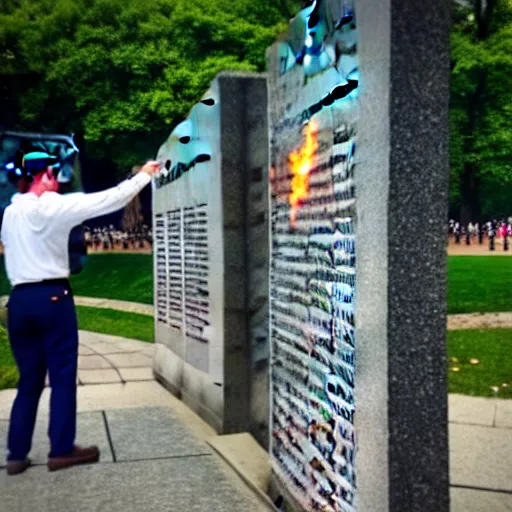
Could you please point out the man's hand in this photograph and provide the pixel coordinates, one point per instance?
(151, 167)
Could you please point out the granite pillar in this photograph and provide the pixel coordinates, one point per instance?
(402, 191)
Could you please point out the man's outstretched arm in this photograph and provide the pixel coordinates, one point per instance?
(77, 208)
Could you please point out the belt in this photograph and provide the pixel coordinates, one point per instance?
(63, 281)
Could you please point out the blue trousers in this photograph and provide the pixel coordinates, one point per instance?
(43, 333)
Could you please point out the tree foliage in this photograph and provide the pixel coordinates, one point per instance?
(481, 109)
(123, 72)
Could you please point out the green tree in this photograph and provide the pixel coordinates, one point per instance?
(124, 72)
(481, 108)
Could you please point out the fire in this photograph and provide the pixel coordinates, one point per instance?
(300, 163)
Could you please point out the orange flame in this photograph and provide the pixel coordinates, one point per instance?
(300, 163)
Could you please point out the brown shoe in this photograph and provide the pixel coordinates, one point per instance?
(78, 456)
(15, 467)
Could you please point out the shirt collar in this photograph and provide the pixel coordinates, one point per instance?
(20, 197)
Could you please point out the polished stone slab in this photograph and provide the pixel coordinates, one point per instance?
(151, 433)
(180, 484)
(101, 376)
(481, 457)
(473, 410)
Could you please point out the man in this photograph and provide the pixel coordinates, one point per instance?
(42, 321)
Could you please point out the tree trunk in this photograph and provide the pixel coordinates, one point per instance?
(469, 198)
(470, 208)
(469, 194)
(132, 218)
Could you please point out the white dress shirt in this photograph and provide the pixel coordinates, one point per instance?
(35, 230)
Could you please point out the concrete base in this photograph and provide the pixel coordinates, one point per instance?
(250, 461)
(188, 384)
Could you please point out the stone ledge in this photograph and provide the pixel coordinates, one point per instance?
(248, 459)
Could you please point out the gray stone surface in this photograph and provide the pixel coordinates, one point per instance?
(401, 187)
(179, 484)
(215, 378)
(90, 431)
(418, 197)
(134, 360)
(151, 433)
(472, 410)
(105, 348)
(197, 354)
(257, 258)
(471, 500)
(84, 350)
(503, 414)
(235, 173)
(481, 457)
(103, 376)
(136, 374)
(93, 362)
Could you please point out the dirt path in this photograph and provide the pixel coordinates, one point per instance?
(480, 321)
(475, 249)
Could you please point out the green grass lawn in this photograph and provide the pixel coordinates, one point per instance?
(476, 284)
(8, 371)
(491, 350)
(108, 276)
(106, 321)
(479, 284)
(117, 323)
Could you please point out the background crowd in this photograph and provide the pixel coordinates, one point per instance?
(491, 231)
(109, 238)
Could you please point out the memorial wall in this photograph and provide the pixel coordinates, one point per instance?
(211, 257)
(268, 191)
(313, 122)
(188, 261)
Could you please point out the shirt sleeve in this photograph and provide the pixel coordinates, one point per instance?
(78, 207)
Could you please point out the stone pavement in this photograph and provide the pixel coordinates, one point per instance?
(480, 436)
(155, 451)
(105, 359)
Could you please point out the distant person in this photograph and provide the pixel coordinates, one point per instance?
(456, 232)
(480, 233)
(42, 322)
(492, 234)
(468, 233)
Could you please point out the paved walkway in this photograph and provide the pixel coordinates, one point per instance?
(155, 451)
(480, 321)
(107, 359)
(120, 305)
(480, 436)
